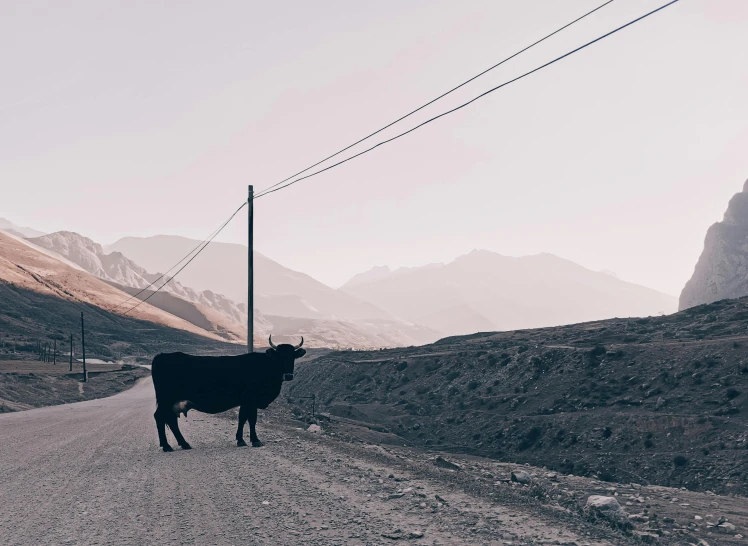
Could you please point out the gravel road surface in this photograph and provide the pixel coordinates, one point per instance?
(92, 473)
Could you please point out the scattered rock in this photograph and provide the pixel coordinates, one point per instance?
(520, 476)
(315, 429)
(395, 496)
(726, 527)
(398, 534)
(441, 462)
(608, 508)
(647, 538)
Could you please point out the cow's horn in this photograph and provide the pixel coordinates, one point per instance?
(300, 344)
(270, 339)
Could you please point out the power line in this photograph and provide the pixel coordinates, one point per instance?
(278, 186)
(206, 243)
(179, 262)
(268, 191)
(261, 192)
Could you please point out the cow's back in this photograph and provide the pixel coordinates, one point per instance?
(179, 376)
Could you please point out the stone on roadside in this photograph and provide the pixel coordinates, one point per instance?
(726, 527)
(520, 476)
(441, 462)
(608, 508)
(315, 429)
(399, 534)
(646, 538)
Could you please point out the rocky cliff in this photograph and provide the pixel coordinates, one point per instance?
(722, 269)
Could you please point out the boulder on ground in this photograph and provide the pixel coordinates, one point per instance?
(444, 463)
(726, 527)
(314, 428)
(520, 476)
(608, 508)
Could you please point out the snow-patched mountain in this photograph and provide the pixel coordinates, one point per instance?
(117, 268)
(483, 291)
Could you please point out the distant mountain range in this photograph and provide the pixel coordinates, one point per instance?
(279, 292)
(480, 291)
(484, 291)
(10, 227)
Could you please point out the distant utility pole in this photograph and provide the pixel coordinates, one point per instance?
(54, 355)
(83, 349)
(250, 274)
(71, 352)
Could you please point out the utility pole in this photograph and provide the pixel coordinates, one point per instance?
(250, 273)
(54, 355)
(83, 348)
(71, 352)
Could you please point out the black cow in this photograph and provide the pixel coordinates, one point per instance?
(215, 384)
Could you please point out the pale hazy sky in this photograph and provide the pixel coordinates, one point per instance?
(139, 118)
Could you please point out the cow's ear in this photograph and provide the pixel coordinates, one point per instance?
(298, 353)
(270, 352)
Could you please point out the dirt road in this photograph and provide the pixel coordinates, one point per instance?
(92, 473)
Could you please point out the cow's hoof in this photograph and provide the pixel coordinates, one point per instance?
(241, 443)
(257, 443)
(186, 446)
(167, 448)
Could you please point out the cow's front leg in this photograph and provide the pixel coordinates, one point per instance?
(252, 416)
(240, 431)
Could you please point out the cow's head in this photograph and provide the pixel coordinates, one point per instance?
(285, 354)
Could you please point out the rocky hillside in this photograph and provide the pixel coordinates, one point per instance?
(660, 400)
(117, 268)
(483, 291)
(722, 269)
(41, 299)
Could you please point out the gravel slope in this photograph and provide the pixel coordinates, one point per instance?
(92, 473)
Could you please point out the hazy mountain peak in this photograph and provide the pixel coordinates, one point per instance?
(487, 290)
(20, 231)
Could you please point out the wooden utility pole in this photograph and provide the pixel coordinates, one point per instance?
(54, 355)
(71, 352)
(83, 349)
(250, 274)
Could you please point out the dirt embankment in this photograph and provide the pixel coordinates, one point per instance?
(653, 401)
(22, 390)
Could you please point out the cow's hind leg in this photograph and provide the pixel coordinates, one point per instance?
(252, 416)
(240, 430)
(161, 427)
(174, 426)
